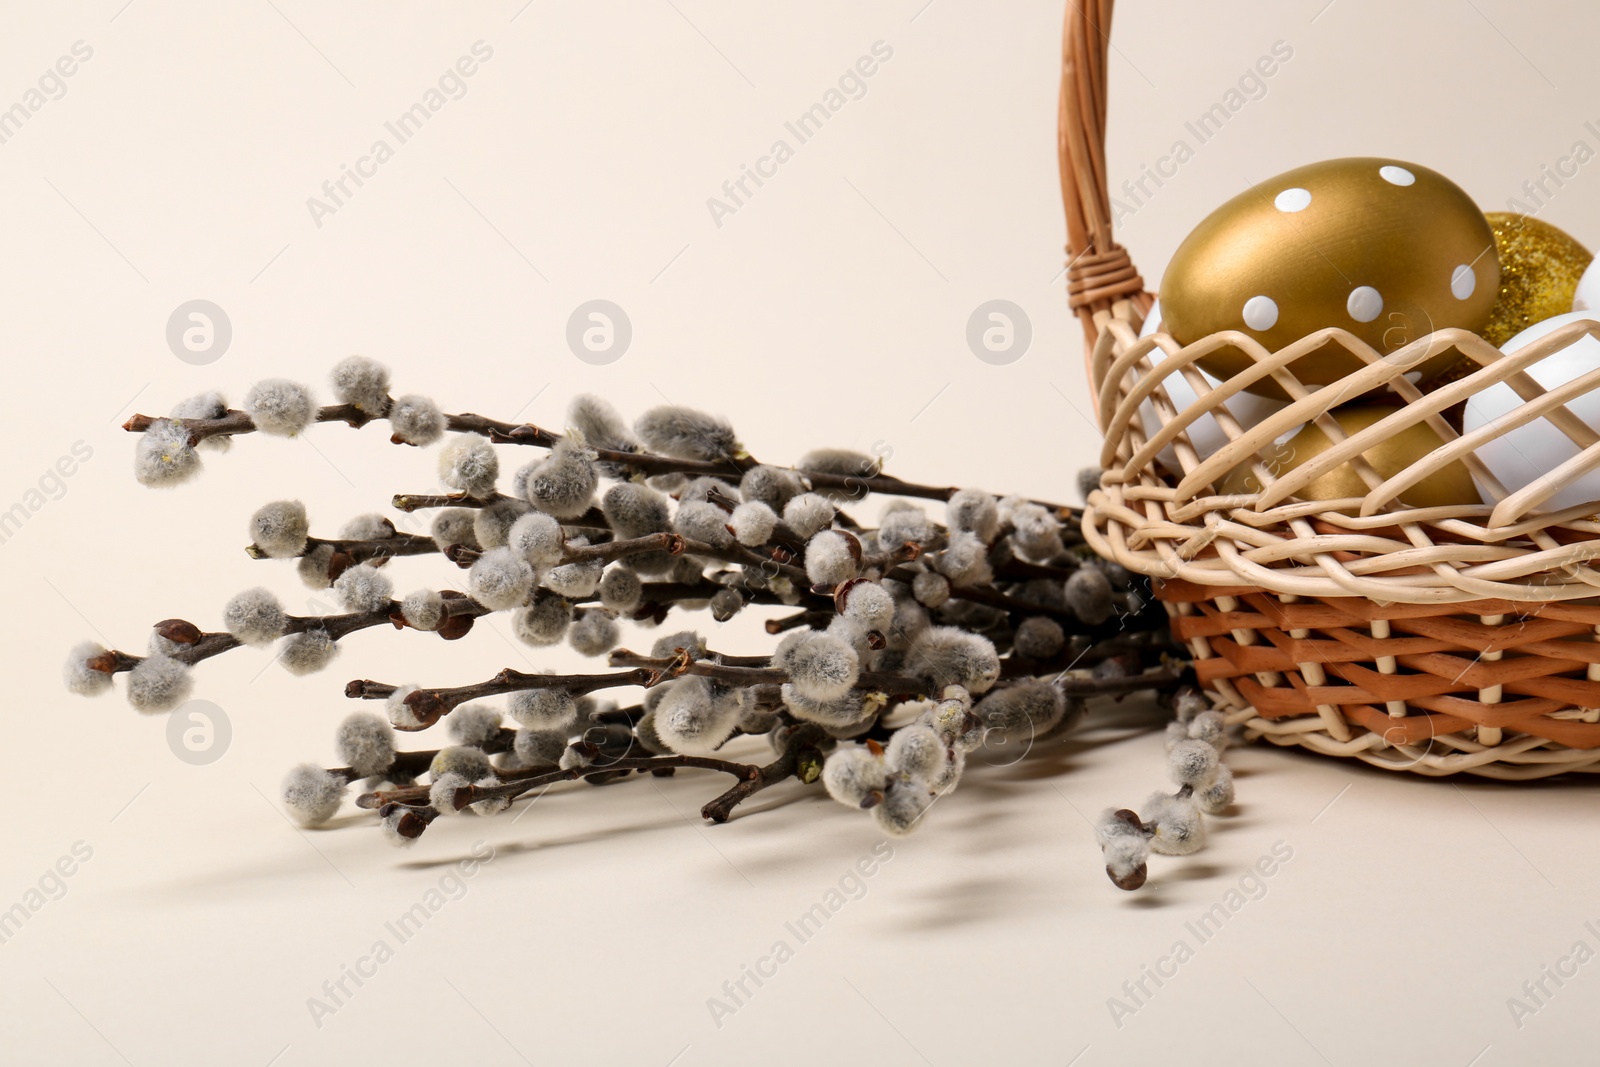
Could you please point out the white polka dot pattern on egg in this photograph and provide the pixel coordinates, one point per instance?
(1292, 200)
(1260, 313)
(1397, 175)
(1364, 304)
(1463, 282)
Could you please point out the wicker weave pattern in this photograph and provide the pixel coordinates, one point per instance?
(1435, 640)
(1311, 548)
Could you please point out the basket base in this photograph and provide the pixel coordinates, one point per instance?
(1448, 699)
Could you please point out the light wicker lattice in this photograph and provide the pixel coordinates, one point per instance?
(1433, 640)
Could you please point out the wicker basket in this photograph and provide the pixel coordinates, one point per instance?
(1439, 641)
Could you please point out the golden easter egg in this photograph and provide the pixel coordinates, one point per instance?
(1389, 251)
(1540, 266)
(1452, 485)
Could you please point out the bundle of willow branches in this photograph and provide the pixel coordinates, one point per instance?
(901, 647)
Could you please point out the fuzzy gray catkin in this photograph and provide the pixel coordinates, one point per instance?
(454, 526)
(255, 617)
(416, 420)
(307, 652)
(594, 633)
(280, 529)
(564, 484)
(600, 425)
(500, 579)
(279, 406)
(364, 589)
(474, 724)
(543, 622)
(365, 742)
(362, 383)
(312, 795)
(423, 609)
(684, 433)
(164, 457)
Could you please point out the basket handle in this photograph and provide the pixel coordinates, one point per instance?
(1099, 271)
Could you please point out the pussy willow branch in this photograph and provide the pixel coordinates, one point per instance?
(234, 423)
(623, 657)
(733, 553)
(592, 519)
(431, 705)
(816, 619)
(751, 779)
(365, 550)
(605, 552)
(197, 646)
(994, 598)
(517, 783)
(409, 502)
(674, 544)
(803, 744)
(660, 594)
(754, 670)
(750, 672)
(783, 535)
(748, 557)
(417, 761)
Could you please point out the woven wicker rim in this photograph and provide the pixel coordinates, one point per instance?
(1434, 640)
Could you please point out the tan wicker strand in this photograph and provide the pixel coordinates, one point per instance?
(1439, 641)
(1099, 271)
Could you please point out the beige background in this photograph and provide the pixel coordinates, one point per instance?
(830, 309)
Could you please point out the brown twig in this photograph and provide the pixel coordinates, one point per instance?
(364, 550)
(853, 486)
(751, 779)
(753, 670)
(428, 706)
(207, 645)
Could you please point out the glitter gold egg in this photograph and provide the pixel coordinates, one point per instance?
(1540, 266)
(1389, 251)
(1452, 485)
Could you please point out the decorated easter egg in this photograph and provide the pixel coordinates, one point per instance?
(1540, 266)
(1205, 433)
(1522, 456)
(1451, 486)
(1389, 251)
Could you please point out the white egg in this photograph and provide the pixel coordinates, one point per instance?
(1204, 433)
(1524, 455)
(1587, 298)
